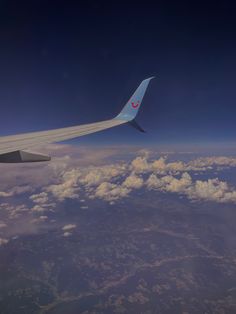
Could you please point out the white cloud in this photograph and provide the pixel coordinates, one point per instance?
(84, 207)
(140, 164)
(5, 194)
(67, 234)
(68, 187)
(3, 225)
(110, 191)
(16, 210)
(133, 182)
(73, 177)
(39, 219)
(40, 198)
(159, 164)
(38, 208)
(211, 189)
(179, 185)
(208, 162)
(16, 190)
(69, 227)
(162, 166)
(153, 182)
(97, 175)
(3, 241)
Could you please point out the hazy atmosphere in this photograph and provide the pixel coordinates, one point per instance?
(120, 221)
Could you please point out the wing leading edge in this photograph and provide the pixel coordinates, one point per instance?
(12, 147)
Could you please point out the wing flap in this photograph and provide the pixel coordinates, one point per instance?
(20, 156)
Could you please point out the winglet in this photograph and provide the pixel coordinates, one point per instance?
(130, 110)
(134, 124)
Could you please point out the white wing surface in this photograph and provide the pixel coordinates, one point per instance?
(12, 147)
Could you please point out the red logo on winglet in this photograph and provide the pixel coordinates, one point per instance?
(135, 106)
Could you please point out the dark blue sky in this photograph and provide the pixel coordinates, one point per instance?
(64, 63)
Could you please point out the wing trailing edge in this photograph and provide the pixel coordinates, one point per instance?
(21, 156)
(14, 148)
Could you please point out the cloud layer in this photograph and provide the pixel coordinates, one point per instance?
(77, 177)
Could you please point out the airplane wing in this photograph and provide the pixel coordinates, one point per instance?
(14, 148)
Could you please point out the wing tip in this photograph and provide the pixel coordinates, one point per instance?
(149, 78)
(130, 110)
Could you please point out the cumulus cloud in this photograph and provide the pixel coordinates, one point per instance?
(159, 164)
(162, 166)
(110, 191)
(211, 189)
(169, 183)
(133, 182)
(208, 162)
(68, 186)
(153, 182)
(95, 175)
(140, 164)
(178, 185)
(64, 190)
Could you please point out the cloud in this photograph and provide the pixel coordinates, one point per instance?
(40, 198)
(32, 190)
(3, 241)
(67, 234)
(64, 190)
(69, 227)
(43, 217)
(162, 166)
(159, 165)
(133, 182)
(169, 183)
(16, 211)
(208, 162)
(210, 190)
(179, 185)
(16, 190)
(140, 164)
(153, 182)
(5, 194)
(39, 219)
(97, 175)
(42, 203)
(3, 225)
(110, 191)
(38, 208)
